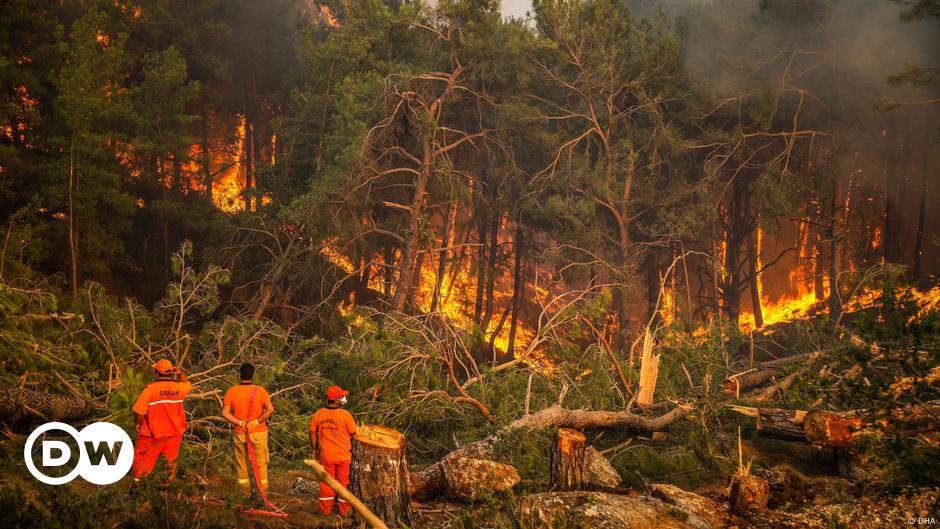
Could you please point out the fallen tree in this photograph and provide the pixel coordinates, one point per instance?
(838, 429)
(739, 382)
(28, 405)
(462, 478)
(775, 422)
(559, 417)
(766, 371)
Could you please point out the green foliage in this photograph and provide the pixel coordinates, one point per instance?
(528, 452)
(57, 507)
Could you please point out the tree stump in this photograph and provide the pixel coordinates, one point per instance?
(379, 473)
(749, 494)
(567, 461)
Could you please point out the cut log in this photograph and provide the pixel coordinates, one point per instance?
(28, 405)
(559, 417)
(598, 510)
(829, 429)
(379, 473)
(749, 494)
(462, 478)
(776, 423)
(567, 460)
(838, 429)
(736, 384)
(772, 390)
(702, 512)
(598, 472)
(468, 479)
(428, 484)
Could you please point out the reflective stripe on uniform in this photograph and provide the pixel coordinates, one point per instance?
(327, 498)
(341, 500)
(166, 402)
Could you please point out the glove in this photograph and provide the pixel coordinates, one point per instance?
(251, 424)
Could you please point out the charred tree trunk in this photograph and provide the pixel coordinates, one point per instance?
(388, 270)
(652, 286)
(893, 179)
(365, 276)
(206, 158)
(481, 272)
(921, 217)
(257, 159)
(835, 298)
(419, 265)
(248, 160)
(379, 473)
(754, 284)
(491, 272)
(518, 288)
(567, 461)
(442, 258)
(731, 288)
(409, 250)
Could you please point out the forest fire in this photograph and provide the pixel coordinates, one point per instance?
(579, 257)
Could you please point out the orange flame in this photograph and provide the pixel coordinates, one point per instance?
(327, 14)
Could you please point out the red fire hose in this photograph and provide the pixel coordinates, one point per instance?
(254, 468)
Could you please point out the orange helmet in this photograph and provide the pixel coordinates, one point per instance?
(335, 392)
(164, 367)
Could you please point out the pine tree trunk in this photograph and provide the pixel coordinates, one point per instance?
(921, 217)
(835, 299)
(409, 252)
(567, 460)
(481, 273)
(893, 187)
(518, 288)
(206, 159)
(257, 159)
(442, 258)
(389, 277)
(755, 282)
(379, 473)
(73, 228)
(248, 164)
(652, 286)
(491, 272)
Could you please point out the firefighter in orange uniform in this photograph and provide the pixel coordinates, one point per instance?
(248, 407)
(161, 419)
(331, 431)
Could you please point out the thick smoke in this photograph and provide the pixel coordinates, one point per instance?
(844, 51)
